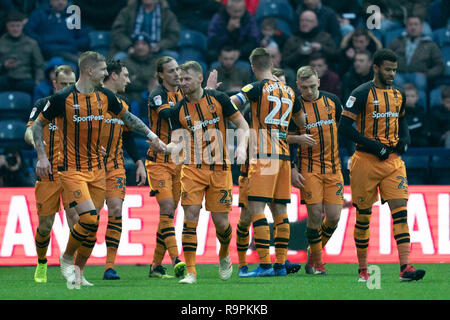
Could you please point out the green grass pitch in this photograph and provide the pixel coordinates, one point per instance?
(341, 283)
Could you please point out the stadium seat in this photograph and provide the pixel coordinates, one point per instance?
(278, 9)
(15, 105)
(417, 167)
(12, 132)
(440, 166)
(445, 51)
(441, 37)
(192, 39)
(100, 41)
(435, 97)
(393, 34)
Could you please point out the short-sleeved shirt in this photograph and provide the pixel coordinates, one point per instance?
(160, 99)
(205, 121)
(112, 139)
(376, 112)
(80, 122)
(321, 117)
(51, 137)
(272, 104)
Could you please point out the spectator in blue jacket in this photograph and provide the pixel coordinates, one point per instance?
(49, 27)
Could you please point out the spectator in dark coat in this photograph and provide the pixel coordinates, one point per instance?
(90, 12)
(21, 62)
(233, 25)
(307, 40)
(326, 16)
(418, 123)
(202, 10)
(329, 81)
(359, 73)
(50, 28)
(153, 17)
(440, 120)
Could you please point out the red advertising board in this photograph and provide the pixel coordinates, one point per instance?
(428, 218)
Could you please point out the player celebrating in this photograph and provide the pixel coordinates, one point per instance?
(203, 115)
(319, 165)
(245, 219)
(272, 104)
(381, 135)
(48, 189)
(163, 173)
(114, 135)
(82, 108)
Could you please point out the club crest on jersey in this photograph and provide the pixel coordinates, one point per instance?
(46, 106)
(157, 100)
(351, 100)
(212, 107)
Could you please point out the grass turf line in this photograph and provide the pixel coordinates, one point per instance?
(340, 283)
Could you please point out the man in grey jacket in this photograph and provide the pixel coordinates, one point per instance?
(21, 62)
(419, 58)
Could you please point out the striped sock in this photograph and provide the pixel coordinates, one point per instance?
(242, 242)
(85, 250)
(281, 237)
(42, 242)
(189, 240)
(315, 244)
(160, 247)
(401, 234)
(112, 239)
(224, 239)
(361, 235)
(87, 224)
(261, 233)
(167, 232)
(327, 232)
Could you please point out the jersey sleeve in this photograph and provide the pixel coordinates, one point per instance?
(228, 108)
(174, 120)
(296, 106)
(403, 106)
(115, 105)
(250, 92)
(54, 107)
(337, 105)
(36, 110)
(356, 102)
(158, 100)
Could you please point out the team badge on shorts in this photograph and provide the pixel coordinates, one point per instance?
(161, 183)
(184, 195)
(77, 193)
(360, 199)
(308, 195)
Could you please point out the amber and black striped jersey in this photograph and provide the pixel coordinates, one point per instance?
(112, 140)
(321, 117)
(376, 112)
(272, 104)
(51, 137)
(80, 119)
(160, 99)
(206, 122)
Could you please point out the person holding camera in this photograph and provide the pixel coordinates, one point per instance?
(11, 169)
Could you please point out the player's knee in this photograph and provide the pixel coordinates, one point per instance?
(167, 208)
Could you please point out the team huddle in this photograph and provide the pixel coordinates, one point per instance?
(283, 140)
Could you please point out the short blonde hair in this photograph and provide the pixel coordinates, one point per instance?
(305, 72)
(89, 58)
(192, 65)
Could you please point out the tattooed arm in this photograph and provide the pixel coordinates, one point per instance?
(43, 167)
(136, 124)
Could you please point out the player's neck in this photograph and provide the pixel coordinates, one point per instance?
(110, 86)
(84, 86)
(195, 96)
(380, 85)
(265, 75)
(169, 87)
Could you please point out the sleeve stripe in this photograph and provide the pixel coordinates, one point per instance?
(349, 114)
(241, 97)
